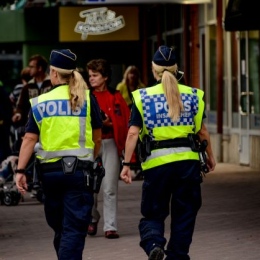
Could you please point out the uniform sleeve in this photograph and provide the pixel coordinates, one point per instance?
(135, 118)
(96, 120)
(31, 126)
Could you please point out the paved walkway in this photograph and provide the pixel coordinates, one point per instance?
(228, 224)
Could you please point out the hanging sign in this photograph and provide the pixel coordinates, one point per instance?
(98, 21)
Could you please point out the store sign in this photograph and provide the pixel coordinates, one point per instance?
(98, 21)
(105, 24)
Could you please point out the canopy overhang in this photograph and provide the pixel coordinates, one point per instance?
(104, 2)
(242, 15)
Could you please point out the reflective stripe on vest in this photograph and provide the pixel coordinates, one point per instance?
(55, 119)
(166, 155)
(152, 105)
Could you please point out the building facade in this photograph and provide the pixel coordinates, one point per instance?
(217, 53)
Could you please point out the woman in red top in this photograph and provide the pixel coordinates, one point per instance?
(115, 113)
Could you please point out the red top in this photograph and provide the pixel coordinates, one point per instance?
(114, 105)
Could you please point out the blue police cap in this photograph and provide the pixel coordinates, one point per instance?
(63, 59)
(164, 56)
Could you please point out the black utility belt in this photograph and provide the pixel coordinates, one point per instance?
(93, 171)
(59, 166)
(171, 143)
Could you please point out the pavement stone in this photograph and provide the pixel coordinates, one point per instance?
(227, 228)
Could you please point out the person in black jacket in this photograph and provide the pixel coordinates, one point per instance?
(39, 84)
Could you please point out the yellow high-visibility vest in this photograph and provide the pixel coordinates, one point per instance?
(63, 132)
(152, 105)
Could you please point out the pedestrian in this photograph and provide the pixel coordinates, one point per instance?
(67, 123)
(130, 82)
(115, 125)
(17, 128)
(25, 77)
(165, 115)
(39, 84)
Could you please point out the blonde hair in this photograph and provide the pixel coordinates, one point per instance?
(77, 86)
(134, 70)
(170, 88)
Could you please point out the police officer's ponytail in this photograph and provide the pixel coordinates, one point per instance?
(170, 88)
(164, 65)
(77, 87)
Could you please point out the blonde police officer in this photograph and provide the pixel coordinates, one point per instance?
(168, 112)
(67, 123)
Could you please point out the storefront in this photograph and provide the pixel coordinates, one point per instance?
(242, 21)
(220, 58)
(39, 26)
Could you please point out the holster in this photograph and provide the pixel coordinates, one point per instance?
(194, 142)
(93, 175)
(144, 148)
(99, 173)
(200, 147)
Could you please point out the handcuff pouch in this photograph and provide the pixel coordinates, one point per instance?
(69, 164)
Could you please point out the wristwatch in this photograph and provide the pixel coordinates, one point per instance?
(22, 171)
(126, 163)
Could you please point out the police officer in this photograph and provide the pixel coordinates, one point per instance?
(167, 113)
(67, 123)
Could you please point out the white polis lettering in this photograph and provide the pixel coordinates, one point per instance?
(161, 109)
(98, 21)
(187, 105)
(159, 106)
(57, 108)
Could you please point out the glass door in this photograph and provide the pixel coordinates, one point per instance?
(244, 99)
(248, 52)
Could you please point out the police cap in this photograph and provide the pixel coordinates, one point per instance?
(164, 56)
(63, 59)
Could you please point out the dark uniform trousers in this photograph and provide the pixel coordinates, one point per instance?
(67, 205)
(171, 188)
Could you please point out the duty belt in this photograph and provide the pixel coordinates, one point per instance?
(177, 142)
(57, 166)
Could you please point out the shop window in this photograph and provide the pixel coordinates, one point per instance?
(254, 70)
(163, 17)
(234, 81)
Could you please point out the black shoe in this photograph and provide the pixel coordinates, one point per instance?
(92, 228)
(156, 254)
